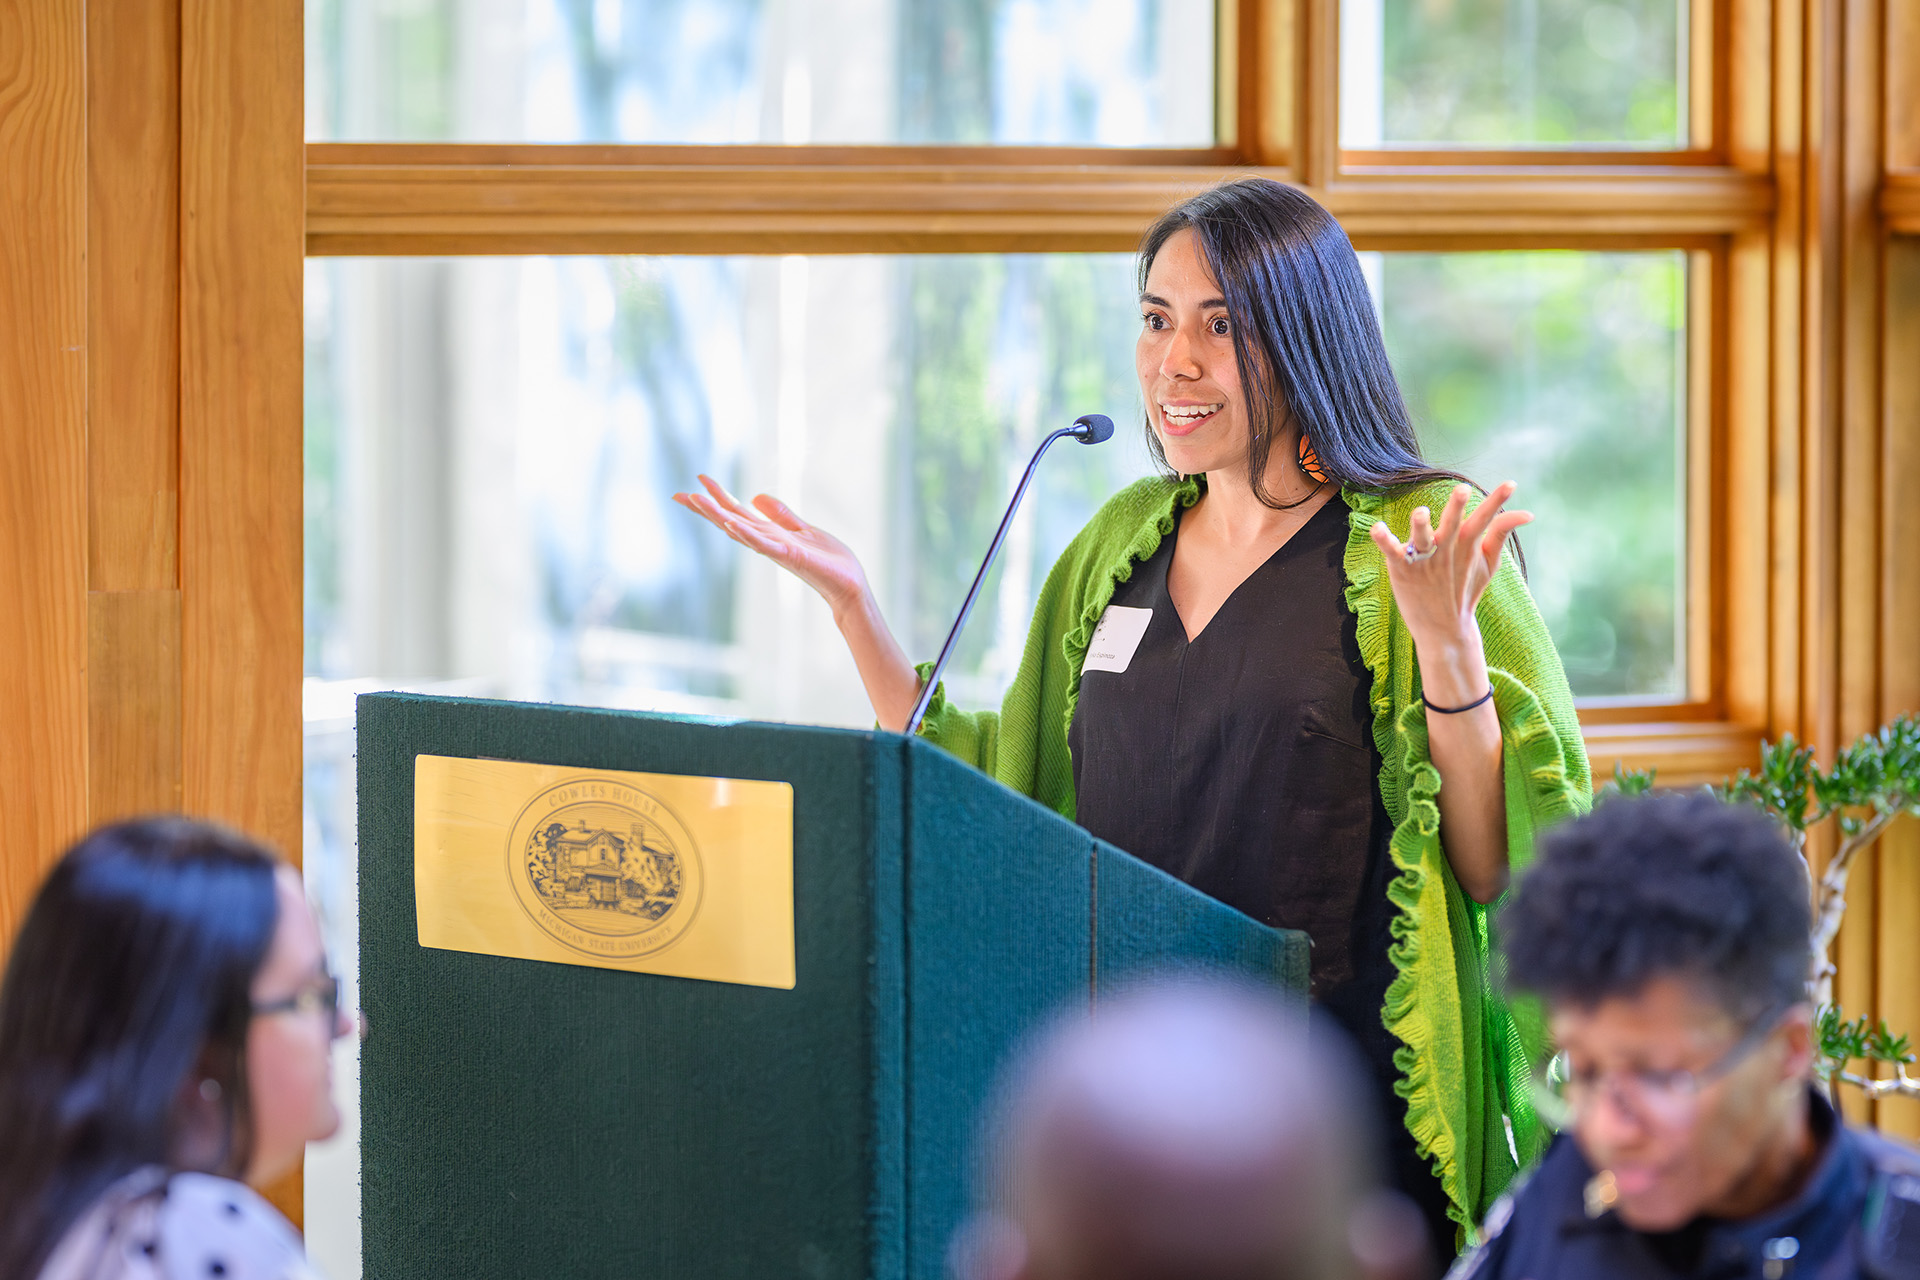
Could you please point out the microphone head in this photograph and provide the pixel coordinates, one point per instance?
(1093, 428)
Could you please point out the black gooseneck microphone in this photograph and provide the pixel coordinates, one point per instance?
(1089, 428)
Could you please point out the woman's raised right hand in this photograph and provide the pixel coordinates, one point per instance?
(771, 528)
(824, 563)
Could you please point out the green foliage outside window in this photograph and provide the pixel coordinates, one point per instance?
(1563, 371)
(1533, 72)
(997, 351)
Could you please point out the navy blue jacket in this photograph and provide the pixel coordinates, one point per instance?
(1858, 1215)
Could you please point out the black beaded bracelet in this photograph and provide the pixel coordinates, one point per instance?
(1454, 711)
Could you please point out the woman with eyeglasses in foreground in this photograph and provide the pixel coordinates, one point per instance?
(165, 1022)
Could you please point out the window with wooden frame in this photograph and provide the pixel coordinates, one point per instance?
(1704, 212)
(875, 314)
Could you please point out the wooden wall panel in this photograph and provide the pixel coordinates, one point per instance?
(1857, 363)
(133, 703)
(133, 420)
(1817, 415)
(242, 210)
(1896, 954)
(1704, 425)
(1747, 468)
(133, 225)
(43, 460)
(1751, 86)
(1849, 149)
(242, 193)
(1898, 950)
(1787, 304)
(1903, 84)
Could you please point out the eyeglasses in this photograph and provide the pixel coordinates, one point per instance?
(321, 996)
(1561, 1096)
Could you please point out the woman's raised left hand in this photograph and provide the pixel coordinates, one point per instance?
(1440, 583)
(1436, 589)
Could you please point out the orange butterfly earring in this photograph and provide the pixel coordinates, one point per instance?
(1310, 461)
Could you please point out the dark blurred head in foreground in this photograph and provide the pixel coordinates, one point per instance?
(1186, 1130)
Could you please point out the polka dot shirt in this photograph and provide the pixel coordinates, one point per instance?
(187, 1226)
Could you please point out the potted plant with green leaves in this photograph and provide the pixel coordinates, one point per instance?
(1871, 782)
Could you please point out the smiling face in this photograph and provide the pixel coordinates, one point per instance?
(1715, 1153)
(1189, 378)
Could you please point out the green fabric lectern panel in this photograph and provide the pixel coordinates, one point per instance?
(1146, 918)
(525, 1119)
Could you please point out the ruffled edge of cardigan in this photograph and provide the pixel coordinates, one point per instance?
(1527, 729)
(1418, 821)
(1145, 541)
(1415, 843)
(1401, 1011)
(1552, 797)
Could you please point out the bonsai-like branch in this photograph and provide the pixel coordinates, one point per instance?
(1872, 782)
(1900, 1085)
(1830, 902)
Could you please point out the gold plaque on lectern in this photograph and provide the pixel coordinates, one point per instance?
(650, 872)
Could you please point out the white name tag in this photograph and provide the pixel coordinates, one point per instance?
(1116, 637)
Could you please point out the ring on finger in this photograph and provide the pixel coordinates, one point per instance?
(1416, 554)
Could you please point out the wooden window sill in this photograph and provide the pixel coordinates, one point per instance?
(1683, 753)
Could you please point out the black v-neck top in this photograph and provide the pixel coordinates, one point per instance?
(1243, 761)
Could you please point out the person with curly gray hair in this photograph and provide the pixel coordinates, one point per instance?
(1668, 937)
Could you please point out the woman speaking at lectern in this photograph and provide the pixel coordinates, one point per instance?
(1258, 670)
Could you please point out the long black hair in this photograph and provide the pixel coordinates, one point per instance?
(128, 987)
(1305, 336)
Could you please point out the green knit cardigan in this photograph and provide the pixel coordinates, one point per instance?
(1466, 1055)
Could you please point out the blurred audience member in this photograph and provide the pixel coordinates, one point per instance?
(1186, 1131)
(165, 1022)
(1669, 936)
